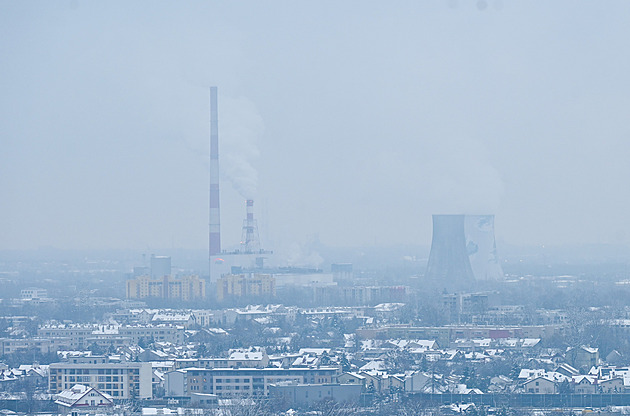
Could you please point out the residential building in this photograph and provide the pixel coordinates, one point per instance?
(33, 293)
(123, 380)
(166, 287)
(246, 285)
(541, 385)
(83, 399)
(43, 345)
(82, 336)
(226, 382)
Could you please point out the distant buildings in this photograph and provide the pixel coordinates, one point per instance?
(166, 287)
(81, 336)
(160, 266)
(246, 285)
(33, 293)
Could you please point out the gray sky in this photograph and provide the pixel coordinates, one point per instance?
(353, 121)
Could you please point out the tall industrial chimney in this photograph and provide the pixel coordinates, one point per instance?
(215, 218)
(482, 248)
(250, 241)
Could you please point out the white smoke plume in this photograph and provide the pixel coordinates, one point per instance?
(300, 255)
(240, 129)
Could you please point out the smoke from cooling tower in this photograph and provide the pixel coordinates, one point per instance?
(461, 178)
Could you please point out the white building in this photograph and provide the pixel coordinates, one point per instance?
(84, 399)
(124, 380)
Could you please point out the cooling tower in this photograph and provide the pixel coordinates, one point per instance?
(481, 247)
(463, 250)
(448, 261)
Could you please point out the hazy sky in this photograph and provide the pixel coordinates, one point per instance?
(354, 121)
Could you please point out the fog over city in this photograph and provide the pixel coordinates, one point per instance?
(351, 123)
(319, 208)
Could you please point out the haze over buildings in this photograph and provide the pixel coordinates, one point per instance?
(352, 123)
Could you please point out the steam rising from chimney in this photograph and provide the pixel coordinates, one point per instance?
(242, 128)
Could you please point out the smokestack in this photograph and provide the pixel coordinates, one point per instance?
(215, 218)
(250, 241)
(482, 247)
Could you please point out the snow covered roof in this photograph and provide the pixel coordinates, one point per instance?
(69, 397)
(374, 365)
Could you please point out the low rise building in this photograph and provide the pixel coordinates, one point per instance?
(228, 382)
(83, 399)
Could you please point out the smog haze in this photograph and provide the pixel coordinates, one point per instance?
(348, 122)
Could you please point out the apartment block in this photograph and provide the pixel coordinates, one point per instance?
(123, 380)
(166, 287)
(243, 285)
(226, 382)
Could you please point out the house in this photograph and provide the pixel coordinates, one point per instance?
(567, 370)
(585, 384)
(392, 382)
(84, 399)
(541, 385)
(583, 357)
(612, 385)
(352, 378)
(500, 384)
(615, 358)
(421, 382)
(527, 373)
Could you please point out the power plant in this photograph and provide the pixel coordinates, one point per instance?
(249, 254)
(463, 250)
